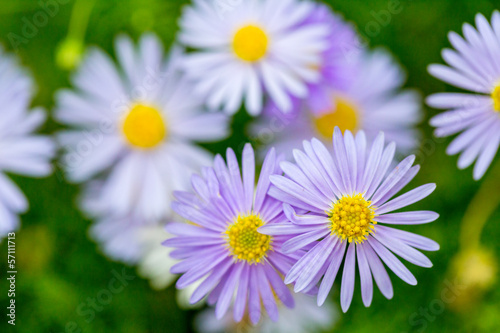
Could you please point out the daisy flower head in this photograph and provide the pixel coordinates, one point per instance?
(255, 48)
(222, 246)
(22, 152)
(339, 63)
(306, 316)
(373, 101)
(473, 65)
(338, 203)
(133, 121)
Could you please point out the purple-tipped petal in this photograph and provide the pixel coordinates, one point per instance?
(394, 177)
(331, 272)
(348, 278)
(299, 192)
(309, 219)
(416, 217)
(248, 166)
(373, 161)
(417, 241)
(316, 260)
(275, 229)
(385, 163)
(279, 287)
(401, 249)
(392, 262)
(379, 273)
(264, 182)
(365, 276)
(339, 151)
(268, 298)
(210, 282)
(254, 298)
(407, 199)
(303, 240)
(240, 300)
(227, 292)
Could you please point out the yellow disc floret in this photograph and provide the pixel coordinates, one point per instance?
(250, 43)
(245, 242)
(345, 116)
(144, 127)
(496, 98)
(352, 218)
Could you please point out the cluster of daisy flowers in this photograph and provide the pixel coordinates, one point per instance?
(329, 116)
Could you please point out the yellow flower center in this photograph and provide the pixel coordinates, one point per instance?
(345, 116)
(352, 218)
(496, 98)
(144, 127)
(245, 242)
(250, 43)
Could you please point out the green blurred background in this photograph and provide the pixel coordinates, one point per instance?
(59, 267)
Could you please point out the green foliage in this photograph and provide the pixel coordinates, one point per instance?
(60, 268)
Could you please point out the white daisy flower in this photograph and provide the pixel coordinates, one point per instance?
(135, 127)
(21, 152)
(155, 261)
(253, 48)
(372, 102)
(305, 317)
(474, 65)
(138, 242)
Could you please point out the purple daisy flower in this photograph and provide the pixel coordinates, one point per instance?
(474, 66)
(334, 203)
(339, 62)
(223, 246)
(372, 102)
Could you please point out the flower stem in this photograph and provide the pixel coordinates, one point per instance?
(480, 209)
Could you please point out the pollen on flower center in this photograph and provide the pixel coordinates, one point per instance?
(144, 127)
(250, 43)
(245, 242)
(352, 218)
(496, 98)
(345, 116)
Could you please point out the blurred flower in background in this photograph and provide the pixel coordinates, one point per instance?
(253, 49)
(476, 271)
(133, 123)
(334, 201)
(474, 65)
(305, 317)
(21, 151)
(373, 101)
(70, 53)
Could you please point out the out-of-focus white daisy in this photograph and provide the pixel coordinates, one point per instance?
(134, 127)
(305, 317)
(21, 152)
(474, 65)
(372, 102)
(137, 242)
(255, 47)
(154, 263)
(121, 238)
